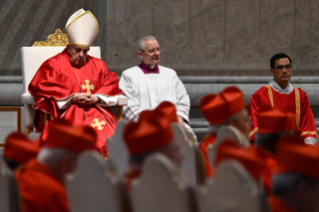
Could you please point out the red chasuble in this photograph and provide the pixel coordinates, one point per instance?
(296, 100)
(208, 140)
(40, 190)
(57, 80)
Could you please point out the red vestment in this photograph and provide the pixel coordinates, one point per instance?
(208, 140)
(277, 205)
(58, 80)
(268, 170)
(40, 190)
(297, 100)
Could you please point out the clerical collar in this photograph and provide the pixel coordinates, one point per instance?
(147, 69)
(277, 88)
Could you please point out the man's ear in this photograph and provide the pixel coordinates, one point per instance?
(140, 53)
(272, 71)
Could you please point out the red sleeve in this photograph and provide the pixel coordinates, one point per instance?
(307, 122)
(49, 85)
(109, 83)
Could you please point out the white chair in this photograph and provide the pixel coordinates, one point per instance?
(188, 150)
(93, 186)
(160, 187)
(231, 190)
(10, 200)
(31, 60)
(117, 150)
(224, 133)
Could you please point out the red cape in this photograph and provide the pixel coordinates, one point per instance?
(58, 80)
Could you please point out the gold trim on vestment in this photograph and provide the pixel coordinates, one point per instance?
(270, 95)
(253, 132)
(308, 133)
(75, 44)
(297, 100)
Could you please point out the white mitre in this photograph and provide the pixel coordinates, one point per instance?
(82, 28)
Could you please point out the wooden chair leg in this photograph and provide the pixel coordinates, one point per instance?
(28, 130)
(120, 113)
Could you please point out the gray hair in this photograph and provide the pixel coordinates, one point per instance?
(286, 183)
(140, 43)
(51, 157)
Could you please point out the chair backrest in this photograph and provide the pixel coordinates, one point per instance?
(232, 189)
(188, 150)
(33, 57)
(159, 188)
(117, 150)
(226, 132)
(10, 199)
(93, 186)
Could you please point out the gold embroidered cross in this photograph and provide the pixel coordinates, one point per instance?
(87, 86)
(98, 124)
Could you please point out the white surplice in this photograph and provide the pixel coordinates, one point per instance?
(147, 91)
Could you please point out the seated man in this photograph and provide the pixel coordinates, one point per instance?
(75, 86)
(41, 180)
(296, 182)
(19, 150)
(248, 157)
(149, 84)
(152, 133)
(225, 108)
(282, 122)
(280, 93)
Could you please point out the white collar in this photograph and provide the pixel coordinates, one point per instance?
(277, 88)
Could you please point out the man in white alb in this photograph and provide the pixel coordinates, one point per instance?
(149, 84)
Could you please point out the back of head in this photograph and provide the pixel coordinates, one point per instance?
(249, 157)
(273, 123)
(62, 135)
(218, 108)
(18, 149)
(152, 132)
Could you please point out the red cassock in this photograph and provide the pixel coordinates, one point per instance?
(58, 80)
(277, 205)
(296, 100)
(208, 140)
(40, 190)
(268, 170)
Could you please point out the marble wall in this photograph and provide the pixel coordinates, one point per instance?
(216, 37)
(199, 37)
(23, 22)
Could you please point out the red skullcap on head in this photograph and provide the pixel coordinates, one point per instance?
(248, 157)
(168, 109)
(294, 156)
(145, 115)
(61, 135)
(217, 108)
(19, 149)
(273, 120)
(151, 132)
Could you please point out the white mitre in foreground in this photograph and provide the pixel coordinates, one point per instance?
(82, 28)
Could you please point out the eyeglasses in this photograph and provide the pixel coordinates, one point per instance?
(152, 51)
(280, 68)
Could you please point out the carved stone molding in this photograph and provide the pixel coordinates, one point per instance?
(56, 39)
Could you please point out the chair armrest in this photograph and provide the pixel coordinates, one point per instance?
(27, 99)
